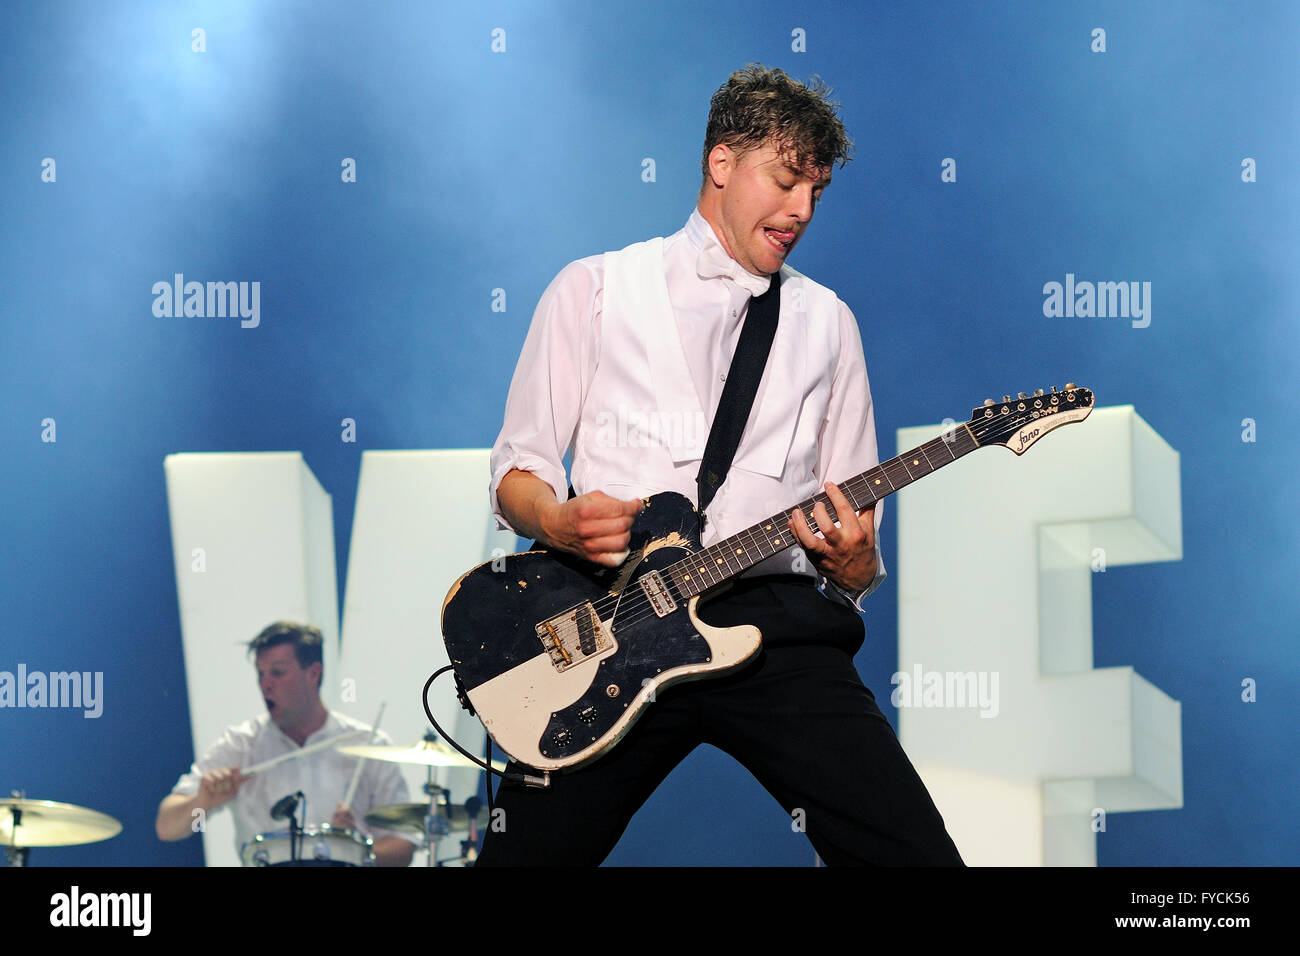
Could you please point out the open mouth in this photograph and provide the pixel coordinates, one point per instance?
(778, 238)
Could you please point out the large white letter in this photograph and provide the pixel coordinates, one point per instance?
(995, 557)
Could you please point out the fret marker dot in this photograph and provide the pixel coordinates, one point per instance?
(915, 462)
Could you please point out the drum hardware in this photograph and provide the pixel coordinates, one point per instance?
(437, 818)
(411, 816)
(469, 845)
(322, 845)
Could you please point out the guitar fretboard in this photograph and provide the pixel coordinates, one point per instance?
(718, 562)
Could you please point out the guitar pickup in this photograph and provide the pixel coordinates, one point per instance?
(575, 636)
(656, 590)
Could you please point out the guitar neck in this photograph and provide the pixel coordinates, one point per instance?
(743, 550)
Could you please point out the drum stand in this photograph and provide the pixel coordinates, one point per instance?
(16, 855)
(469, 846)
(436, 818)
(295, 836)
(436, 826)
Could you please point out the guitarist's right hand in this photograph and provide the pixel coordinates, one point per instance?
(594, 526)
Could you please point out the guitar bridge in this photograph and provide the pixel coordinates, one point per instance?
(575, 636)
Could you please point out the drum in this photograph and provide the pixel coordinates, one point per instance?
(321, 846)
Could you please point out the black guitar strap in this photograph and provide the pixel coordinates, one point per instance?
(738, 394)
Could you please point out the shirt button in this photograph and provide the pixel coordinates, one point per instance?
(722, 378)
(733, 313)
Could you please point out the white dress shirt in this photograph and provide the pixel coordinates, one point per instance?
(559, 362)
(323, 777)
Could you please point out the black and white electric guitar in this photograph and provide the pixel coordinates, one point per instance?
(559, 656)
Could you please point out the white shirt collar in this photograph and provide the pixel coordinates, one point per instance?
(712, 260)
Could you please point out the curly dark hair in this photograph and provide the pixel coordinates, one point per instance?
(757, 105)
(308, 642)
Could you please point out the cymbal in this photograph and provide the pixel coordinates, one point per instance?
(410, 816)
(427, 753)
(46, 823)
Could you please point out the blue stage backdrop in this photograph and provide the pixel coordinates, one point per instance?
(398, 182)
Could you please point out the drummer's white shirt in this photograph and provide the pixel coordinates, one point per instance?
(323, 777)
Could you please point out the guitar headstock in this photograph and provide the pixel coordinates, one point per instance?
(1019, 422)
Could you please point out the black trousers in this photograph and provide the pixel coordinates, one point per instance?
(798, 718)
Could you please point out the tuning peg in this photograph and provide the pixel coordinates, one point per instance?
(1070, 386)
(1038, 393)
(1053, 389)
(1006, 398)
(988, 402)
(1021, 395)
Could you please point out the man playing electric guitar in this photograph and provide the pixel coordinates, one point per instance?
(626, 364)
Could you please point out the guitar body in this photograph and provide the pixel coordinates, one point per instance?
(559, 657)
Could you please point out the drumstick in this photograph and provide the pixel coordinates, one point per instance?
(356, 774)
(295, 754)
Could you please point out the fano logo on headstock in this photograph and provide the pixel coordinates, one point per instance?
(1024, 438)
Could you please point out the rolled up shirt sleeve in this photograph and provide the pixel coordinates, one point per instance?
(231, 750)
(550, 382)
(847, 444)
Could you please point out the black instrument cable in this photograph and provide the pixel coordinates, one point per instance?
(514, 776)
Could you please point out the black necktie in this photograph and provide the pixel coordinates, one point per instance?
(738, 394)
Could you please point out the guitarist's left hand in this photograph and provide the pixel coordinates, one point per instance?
(846, 554)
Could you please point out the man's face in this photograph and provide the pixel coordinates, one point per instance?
(766, 204)
(288, 688)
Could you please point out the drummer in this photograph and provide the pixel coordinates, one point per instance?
(289, 671)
